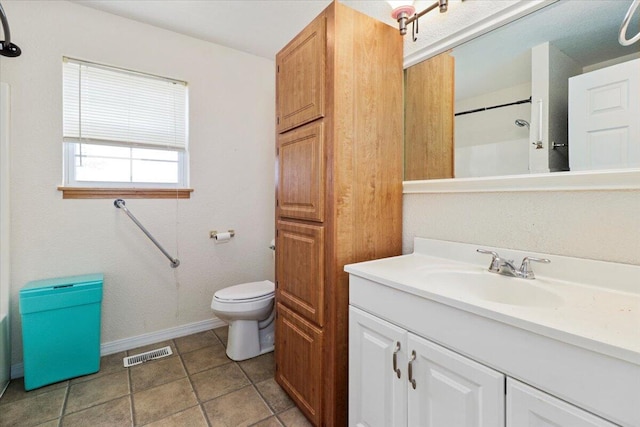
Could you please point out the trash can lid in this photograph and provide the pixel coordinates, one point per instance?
(59, 282)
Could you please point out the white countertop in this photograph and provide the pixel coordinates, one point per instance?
(598, 304)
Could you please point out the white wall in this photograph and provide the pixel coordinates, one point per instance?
(5, 280)
(231, 102)
(602, 225)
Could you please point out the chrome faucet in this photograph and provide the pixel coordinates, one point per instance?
(506, 268)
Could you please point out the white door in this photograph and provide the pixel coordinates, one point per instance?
(451, 390)
(5, 344)
(528, 407)
(604, 106)
(377, 392)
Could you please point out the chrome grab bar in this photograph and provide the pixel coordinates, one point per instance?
(119, 203)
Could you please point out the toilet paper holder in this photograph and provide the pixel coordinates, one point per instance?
(213, 234)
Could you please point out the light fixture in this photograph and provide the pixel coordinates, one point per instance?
(405, 13)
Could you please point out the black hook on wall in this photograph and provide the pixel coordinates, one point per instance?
(6, 47)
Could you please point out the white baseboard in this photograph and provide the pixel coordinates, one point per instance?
(158, 336)
(17, 370)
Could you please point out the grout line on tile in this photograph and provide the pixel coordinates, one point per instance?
(94, 405)
(273, 412)
(198, 401)
(206, 416)
(224, 394)
(188, 377)
(220, 339)
(264, 419)
(217, 338)
(264, 399)
(63, 410)
(245, 373)
(227, 393)
(131, 410)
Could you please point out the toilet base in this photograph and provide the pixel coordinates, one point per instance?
(246, 341)
(267, 350)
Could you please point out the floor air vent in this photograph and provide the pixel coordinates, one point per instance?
(145, 357)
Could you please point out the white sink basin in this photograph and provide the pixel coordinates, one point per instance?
(493, 287)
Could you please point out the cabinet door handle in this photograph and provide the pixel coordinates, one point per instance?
(395, 359)
(411, 379)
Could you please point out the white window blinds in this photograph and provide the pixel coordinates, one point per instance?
(112, 106)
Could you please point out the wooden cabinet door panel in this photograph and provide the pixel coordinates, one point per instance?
(300, 77)
(299, 362)
(300, 268)
(452, 390)
(301, 173)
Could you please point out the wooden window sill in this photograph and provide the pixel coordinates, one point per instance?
(130, 193)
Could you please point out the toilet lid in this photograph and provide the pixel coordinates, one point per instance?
(246, 291)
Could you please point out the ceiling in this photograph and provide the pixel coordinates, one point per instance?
(263, 27)
(259, 27)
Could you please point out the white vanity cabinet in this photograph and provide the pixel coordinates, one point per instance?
(397, 378)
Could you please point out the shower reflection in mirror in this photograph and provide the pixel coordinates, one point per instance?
(565, 57)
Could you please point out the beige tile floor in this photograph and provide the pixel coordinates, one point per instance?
(197, 386)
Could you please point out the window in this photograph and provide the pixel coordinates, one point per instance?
(123, 129)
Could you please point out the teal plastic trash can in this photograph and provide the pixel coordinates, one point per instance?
(60, 328)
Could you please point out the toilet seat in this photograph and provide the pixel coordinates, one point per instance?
(246, 292)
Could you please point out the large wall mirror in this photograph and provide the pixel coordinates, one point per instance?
(553, 91)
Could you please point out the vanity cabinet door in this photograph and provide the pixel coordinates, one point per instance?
(378, 392)
(529, 407)
(452, 390)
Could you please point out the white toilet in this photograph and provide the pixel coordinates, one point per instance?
(249, 310)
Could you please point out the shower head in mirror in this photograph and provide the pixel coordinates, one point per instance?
(522, 123)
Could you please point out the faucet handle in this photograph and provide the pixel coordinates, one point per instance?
(525, 269)
(495, 261)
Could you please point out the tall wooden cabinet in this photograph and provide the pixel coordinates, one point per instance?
(339, 193)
